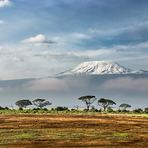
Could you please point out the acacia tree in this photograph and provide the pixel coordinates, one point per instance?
(124, 106)
(88, 100)
(23, 103)
(105, 103)
(41, 102)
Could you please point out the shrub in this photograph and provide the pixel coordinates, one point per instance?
(52, 109)
(74, 110)
(146, 110)
(60, 108)
(119, 110)
(125, 111)
(1, 108)
(36, 109)
(85, 110)
(6, 108)
(139, 110)
(93, 109)
(110, 110)
(99, 110)
(20, 108)
(45, 109)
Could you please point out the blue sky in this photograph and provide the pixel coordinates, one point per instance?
(44, 37)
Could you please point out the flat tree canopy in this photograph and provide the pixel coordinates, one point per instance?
(41, 102)
(125, 106)
(86, 97)
(105, 103)
(23, 103)
(88, 100)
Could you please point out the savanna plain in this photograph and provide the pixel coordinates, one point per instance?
(73, 130)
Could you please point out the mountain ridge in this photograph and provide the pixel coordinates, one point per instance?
(100, 68)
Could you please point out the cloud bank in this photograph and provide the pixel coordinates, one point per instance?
(46, 84)
(126, 85)
(131, 89)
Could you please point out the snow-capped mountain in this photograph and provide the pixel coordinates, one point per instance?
(100, 68)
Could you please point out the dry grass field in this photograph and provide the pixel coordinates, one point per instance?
(102, 130)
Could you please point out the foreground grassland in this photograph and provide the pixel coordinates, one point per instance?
(71, 130)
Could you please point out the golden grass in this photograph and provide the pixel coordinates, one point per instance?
(101, 130)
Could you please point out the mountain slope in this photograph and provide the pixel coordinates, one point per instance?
(100, 68)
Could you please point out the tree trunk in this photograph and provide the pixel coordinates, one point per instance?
(104, 108)
(87, 107)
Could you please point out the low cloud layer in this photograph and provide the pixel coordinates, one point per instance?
(46, 85)
(119, 84)
(126, 85)
(131, 89)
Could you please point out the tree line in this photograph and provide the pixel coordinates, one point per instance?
(105, 104)
(40, 103)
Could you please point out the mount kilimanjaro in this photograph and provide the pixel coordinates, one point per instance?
(101, 68)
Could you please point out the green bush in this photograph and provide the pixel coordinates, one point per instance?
(139, 110)
(110, 110)
(36, 109)
(119, 111)
(61, 108)
(93, 110)
(45, 109)
(125, 111)
(74, 110)
(85, 110)
(146, 110)
(20, 108)
(1, 108)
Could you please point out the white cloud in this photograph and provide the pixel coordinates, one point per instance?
(2, 22)
(81, 36)
(4, 3)
(38, 39)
